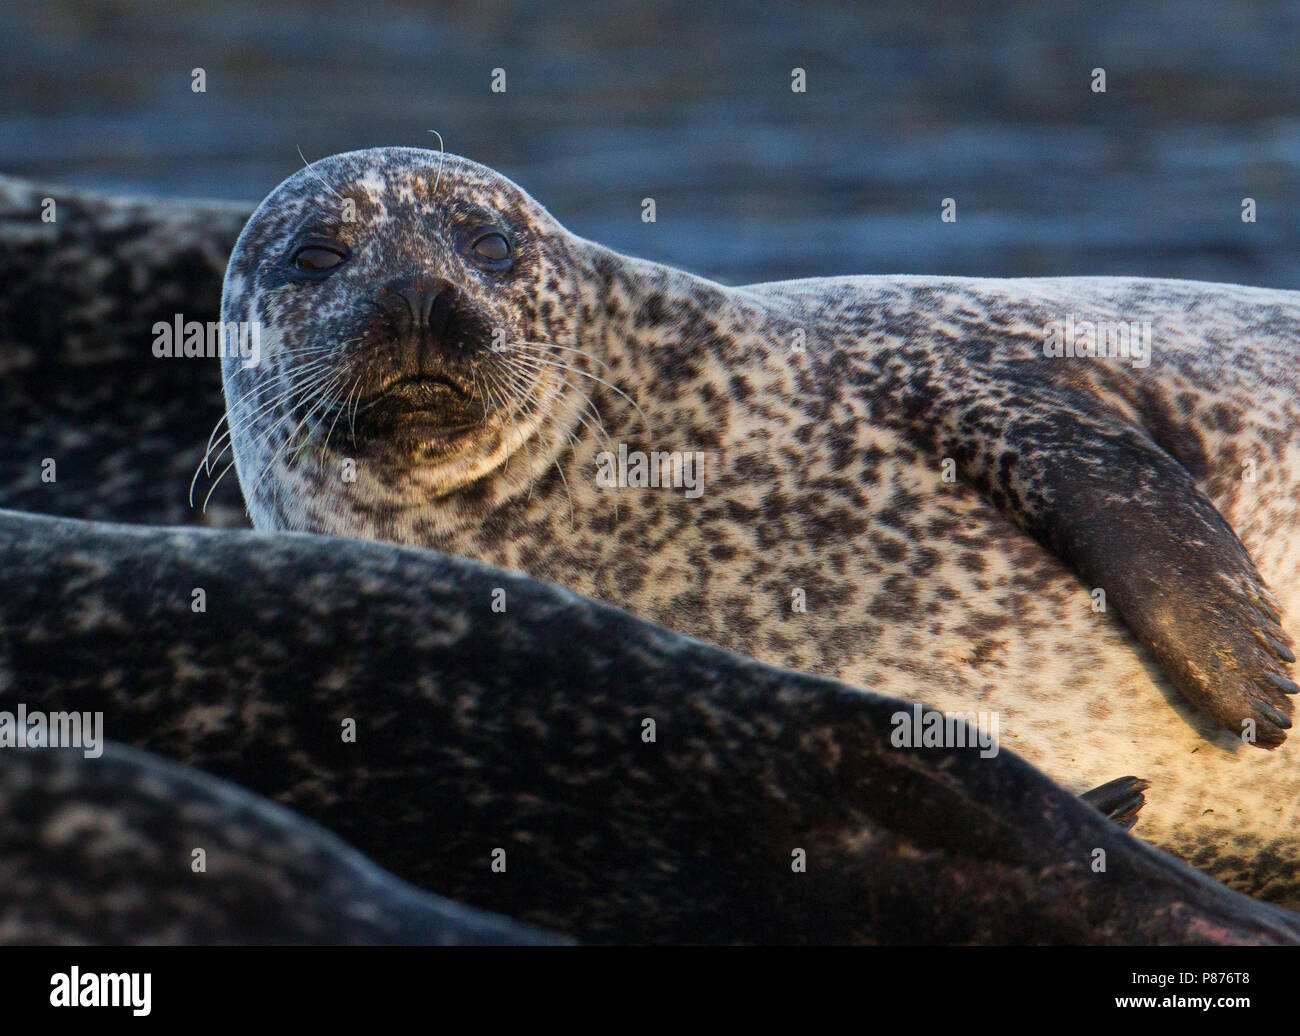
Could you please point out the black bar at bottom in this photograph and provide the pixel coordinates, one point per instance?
(669, 986)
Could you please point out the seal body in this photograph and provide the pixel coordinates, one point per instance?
(88, 856)
(517, 736)
(910, 483)
(81, 299)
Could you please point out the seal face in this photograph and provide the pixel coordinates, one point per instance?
(899, 473)
(400, 327)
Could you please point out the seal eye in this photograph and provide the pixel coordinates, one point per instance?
(315, 259)
(492, 247)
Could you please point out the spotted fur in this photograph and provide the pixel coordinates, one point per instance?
(521, 731)
(829, 408)
(102, 851)
(80, 297)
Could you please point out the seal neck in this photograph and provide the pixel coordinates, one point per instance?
(650, 313)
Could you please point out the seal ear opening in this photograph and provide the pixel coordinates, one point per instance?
(1120, 799)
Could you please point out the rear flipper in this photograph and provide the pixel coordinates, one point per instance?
(1120, 799)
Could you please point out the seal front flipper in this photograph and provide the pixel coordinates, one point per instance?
(1120, 799)
(1131, 521)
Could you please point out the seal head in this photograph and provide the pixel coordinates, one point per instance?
(405, 307)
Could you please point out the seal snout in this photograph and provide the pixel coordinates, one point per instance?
(421, 309)
(421, 352)
(423, 333)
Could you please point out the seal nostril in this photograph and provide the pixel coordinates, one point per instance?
(428, 301)
(439, 313)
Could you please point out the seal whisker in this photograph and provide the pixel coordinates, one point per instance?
(338, 413)
(208, 450)
(589, 407)
(213, 488)
(530, 410)
(498, 406)
(556, 461)
(282, 451)
(353, 391)
(301, 390)
(261, 438)
(307, 166)
(519, 383)
(538, 351)
(352, 418)
(539, 348)
(442, 157)
(245, 415)
(598, 429)
(289, 398)
(587, 374)
(207, 455)
(325, 394)
(245, 419)
(325, 354)
(341, 345)
(209, 459)
(511, 403)
(534, 407)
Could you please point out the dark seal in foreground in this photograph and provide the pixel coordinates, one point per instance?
(482, 733)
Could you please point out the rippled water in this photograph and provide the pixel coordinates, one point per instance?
(691, 104)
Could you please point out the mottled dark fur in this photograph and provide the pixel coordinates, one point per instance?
(81, 385)
(101, 851)
(479, 730)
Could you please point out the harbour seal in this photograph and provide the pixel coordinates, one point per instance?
(482, 732)
(81, 296)
(72, 590)
(101, 851)
(908, 473)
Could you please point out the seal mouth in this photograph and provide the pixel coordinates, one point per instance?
(422, 409)
(417, 392)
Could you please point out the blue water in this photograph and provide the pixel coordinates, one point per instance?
(690, 103)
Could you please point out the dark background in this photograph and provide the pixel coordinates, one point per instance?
(690, 103)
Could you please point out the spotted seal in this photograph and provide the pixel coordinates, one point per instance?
(647, 788)
(905, 473)
(102, 851)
